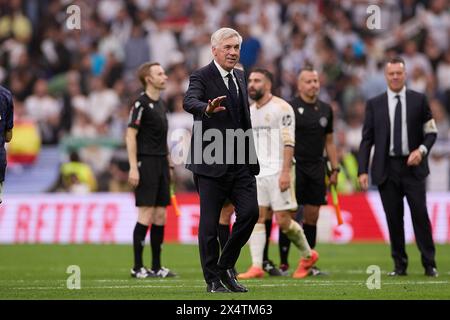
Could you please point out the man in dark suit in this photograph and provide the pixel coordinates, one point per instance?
(217, 98)
(400, 125)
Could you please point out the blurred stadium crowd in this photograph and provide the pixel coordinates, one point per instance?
(73, 88)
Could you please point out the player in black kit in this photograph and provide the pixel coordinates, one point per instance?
(150, 168)
(6, 125)
(313, 135)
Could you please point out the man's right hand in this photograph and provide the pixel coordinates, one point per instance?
(214, 105)
(133, 177)
(364, 181)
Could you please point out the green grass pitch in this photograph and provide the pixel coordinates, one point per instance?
(39, 272)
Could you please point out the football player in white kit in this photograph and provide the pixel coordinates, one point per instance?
(273, 123)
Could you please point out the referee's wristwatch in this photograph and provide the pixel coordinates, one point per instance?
(337, 170)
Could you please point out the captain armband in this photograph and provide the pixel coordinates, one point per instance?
(430, 127)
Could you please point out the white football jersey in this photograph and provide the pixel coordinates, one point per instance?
(273, 129)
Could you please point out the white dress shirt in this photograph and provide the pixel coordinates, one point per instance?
(392, 103)
(224, 73)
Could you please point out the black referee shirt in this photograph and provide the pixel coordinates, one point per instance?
(150, 119)
(312, 123)
(6, 124)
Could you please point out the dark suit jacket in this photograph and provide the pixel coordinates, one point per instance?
(206, 84)
(376, 131)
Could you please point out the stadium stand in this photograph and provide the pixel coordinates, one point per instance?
(77, 84)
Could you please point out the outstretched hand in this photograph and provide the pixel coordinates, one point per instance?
(214, 105)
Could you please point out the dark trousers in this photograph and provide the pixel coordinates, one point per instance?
(400, 183)
(240, 187)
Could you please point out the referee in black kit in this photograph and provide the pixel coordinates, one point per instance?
(149, 168)
(313, 134)
(6, 126)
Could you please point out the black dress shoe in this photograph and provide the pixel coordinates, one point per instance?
(431, 272)
(397, 273)
(228, 279)
(216, 287)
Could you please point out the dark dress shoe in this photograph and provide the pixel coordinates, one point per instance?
(397, 273)
(228, 279)
(216, 287)
(431, 272)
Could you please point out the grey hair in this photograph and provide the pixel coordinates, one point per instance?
(222, 34)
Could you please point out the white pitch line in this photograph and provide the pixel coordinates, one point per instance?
(291, 284)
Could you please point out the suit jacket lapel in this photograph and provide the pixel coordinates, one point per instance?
(243, 93)
(217, 77)
(387, 121)
(241, 84)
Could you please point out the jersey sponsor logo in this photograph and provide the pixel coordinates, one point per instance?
(323, 122)
(301, 110)
(286, 120)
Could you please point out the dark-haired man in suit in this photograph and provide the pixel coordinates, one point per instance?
(217, 98)
(400, 126)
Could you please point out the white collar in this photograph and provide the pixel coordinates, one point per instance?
(224, 73)
(392, 94)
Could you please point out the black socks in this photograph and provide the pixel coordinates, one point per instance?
(223, 233)
(139, 233)
(268, 224)
(283, 244)
(156, 240)
(310, 234)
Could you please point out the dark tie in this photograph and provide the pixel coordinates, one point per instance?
(234, 96)
(398, 127)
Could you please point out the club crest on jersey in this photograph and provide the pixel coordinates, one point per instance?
(323, 122)
(301, 110)
(151, 105)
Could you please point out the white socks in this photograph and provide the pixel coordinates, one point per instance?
(257, 242)
(297, 236)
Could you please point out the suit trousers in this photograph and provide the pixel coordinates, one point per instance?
(238, 185)
(401, 182)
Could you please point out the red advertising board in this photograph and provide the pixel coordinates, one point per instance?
(110, 218)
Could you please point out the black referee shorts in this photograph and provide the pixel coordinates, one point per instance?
(310, 183)
(153, 189)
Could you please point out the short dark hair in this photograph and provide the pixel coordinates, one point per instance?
(307, 67)
(144, 71)
(265, 72)
(396, 59)
(74, 156)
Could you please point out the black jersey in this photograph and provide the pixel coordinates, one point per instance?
(6, 124)
(149, 117)
(312, 123)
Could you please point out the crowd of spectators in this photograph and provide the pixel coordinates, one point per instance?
(76, 86)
